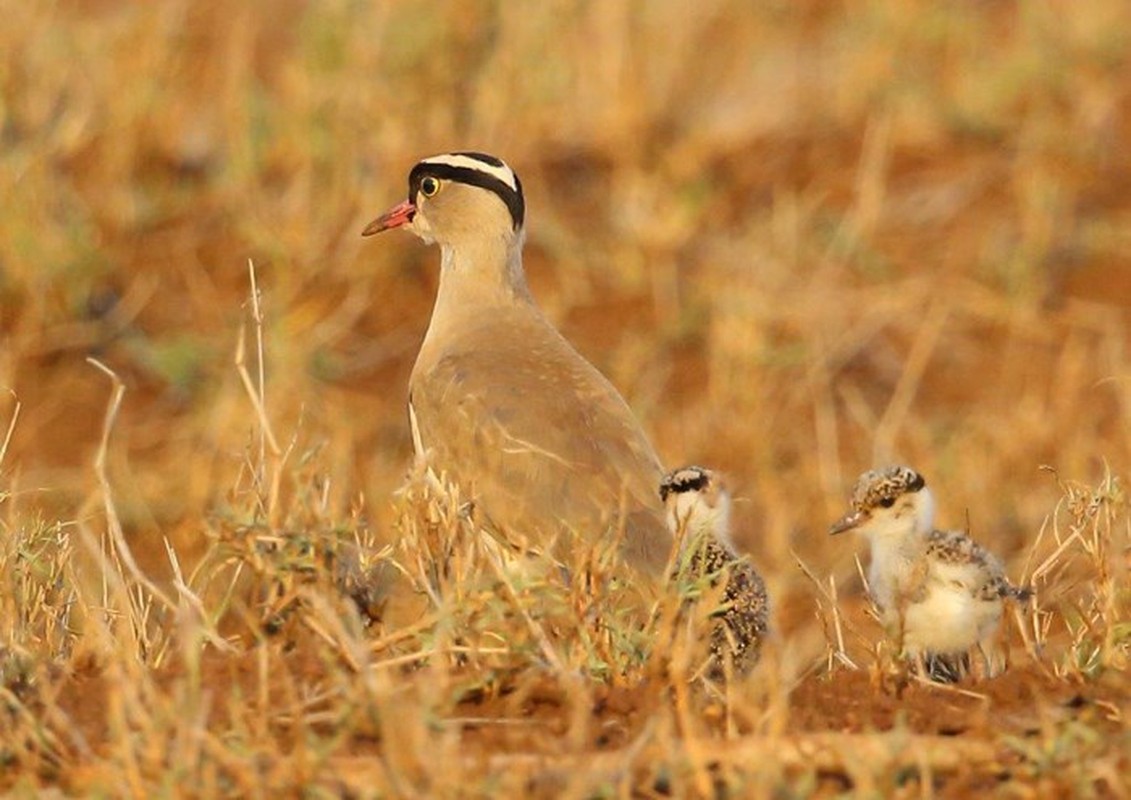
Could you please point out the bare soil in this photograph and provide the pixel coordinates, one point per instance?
(534, 722)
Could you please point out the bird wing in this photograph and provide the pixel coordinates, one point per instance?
(544, 442)
(966, 561)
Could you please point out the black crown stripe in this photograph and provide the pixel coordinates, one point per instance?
(681, 482)
(484, 157)
(512, 199)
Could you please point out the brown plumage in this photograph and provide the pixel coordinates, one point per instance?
(500, 402)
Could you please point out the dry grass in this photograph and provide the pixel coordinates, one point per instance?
(802, 239)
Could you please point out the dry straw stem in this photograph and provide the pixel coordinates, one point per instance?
(119, 547)
(11, 428)
(547, 649)
(120, 552)
(256, 391)
(1086, 576)
(834, 630)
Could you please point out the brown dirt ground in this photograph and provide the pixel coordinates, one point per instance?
(535, 720)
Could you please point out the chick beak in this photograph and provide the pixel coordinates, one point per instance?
(400, 214)
(849, 521)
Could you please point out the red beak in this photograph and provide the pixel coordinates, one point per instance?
(400, 214)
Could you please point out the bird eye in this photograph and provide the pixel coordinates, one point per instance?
(887, 502)
(429, 186)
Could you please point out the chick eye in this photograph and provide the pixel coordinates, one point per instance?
(887, 502)
(429, 186)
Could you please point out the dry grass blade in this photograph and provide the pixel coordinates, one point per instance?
(120, 548)
(790, 259)
(10, 429)
(547, 649)
(256, 391)
(836, 652)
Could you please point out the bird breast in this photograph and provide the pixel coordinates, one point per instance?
(506, 407)
(946, 621)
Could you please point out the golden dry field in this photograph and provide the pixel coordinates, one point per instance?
(802, 238)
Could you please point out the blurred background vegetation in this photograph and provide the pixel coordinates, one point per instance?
(801, 237)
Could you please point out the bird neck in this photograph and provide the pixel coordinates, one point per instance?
(898, 545)
(478, 282)
(480, 273)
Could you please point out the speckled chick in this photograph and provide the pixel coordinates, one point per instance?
(940, 592)
(698, 506)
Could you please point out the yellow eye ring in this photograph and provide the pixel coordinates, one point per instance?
(429, 186)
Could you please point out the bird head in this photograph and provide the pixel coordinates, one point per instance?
(697, 502)
(455, 197)
(892, 501)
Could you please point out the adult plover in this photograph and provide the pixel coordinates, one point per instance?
(498, 400)
(698, 506)
(939, 592)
